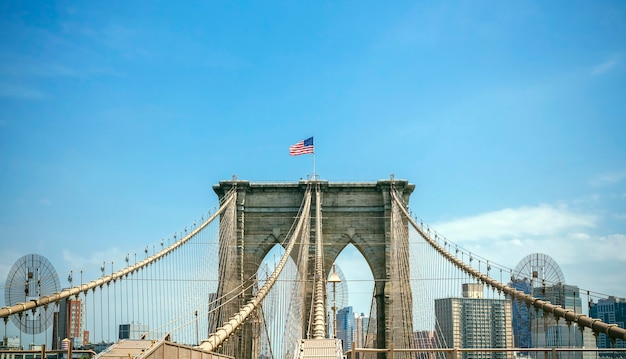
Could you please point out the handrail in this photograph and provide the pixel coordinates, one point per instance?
(453, 352)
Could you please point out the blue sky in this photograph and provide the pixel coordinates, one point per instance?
(116, 119)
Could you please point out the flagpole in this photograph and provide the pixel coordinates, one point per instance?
(314, 165)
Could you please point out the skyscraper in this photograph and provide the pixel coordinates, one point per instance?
(521, 316)
(565, 295)
(76, 318)
(612, 311)
(475, 322)
(132, 331)
(549, 333)
(360, 330)
(71, 319)
(425, 339)
(345, 327)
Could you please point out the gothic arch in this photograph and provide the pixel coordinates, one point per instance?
(353, 213)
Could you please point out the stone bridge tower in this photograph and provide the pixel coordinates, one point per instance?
(358, 213)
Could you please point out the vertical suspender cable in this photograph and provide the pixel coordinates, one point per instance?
(127, 291)
(93, 300)
(144, 298)
(152, 282)
(108, 312)
(133, 293)
(115, 301)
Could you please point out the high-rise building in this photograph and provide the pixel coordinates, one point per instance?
(521, 316)
(475, 322)
(70, 321)
(75, 328)
(345, 327)
(565, 295)
(425, 339)
(547, 332)
(132, 331)
(612, 311)
(360, 330)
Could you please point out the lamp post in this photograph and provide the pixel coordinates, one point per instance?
(334, 279)
(197, 336)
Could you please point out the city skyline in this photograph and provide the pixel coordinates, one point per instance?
(116, 120)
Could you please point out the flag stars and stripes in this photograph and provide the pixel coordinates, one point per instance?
(302, 148)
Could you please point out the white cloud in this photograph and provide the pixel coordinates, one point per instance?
(45, 202)
(56, 70)
(604, 67)
(581, 236)
(20, 92)
(507, 236)
(91, 265)
(518, 223)
(608, 178)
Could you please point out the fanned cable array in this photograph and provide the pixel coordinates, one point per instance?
(401, 320)
(223, 332)
(138, 300)
(443, 275)
(197, 288)
(319, 280)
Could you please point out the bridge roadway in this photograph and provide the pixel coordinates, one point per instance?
(151, 349)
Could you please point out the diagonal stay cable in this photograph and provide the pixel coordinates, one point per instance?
(220, 335)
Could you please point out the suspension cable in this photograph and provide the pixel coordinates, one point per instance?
(220, 335)
(319, 315)
(596, 325)
(45, 300)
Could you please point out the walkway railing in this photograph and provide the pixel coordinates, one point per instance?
(43, 353)
(455, 353)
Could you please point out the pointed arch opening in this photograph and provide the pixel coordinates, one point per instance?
(354, 307)
(280, 314)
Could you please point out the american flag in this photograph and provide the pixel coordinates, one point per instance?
(302, 148)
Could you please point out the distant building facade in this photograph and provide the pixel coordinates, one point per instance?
(132, 331)
(71, 320)
(360, 330)
(345, 327)
(75, 328)
(565, 295)
(521, 316)
(475, 322)
(548, 333)
(425, 339)
(10, 343)
(611, 310)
